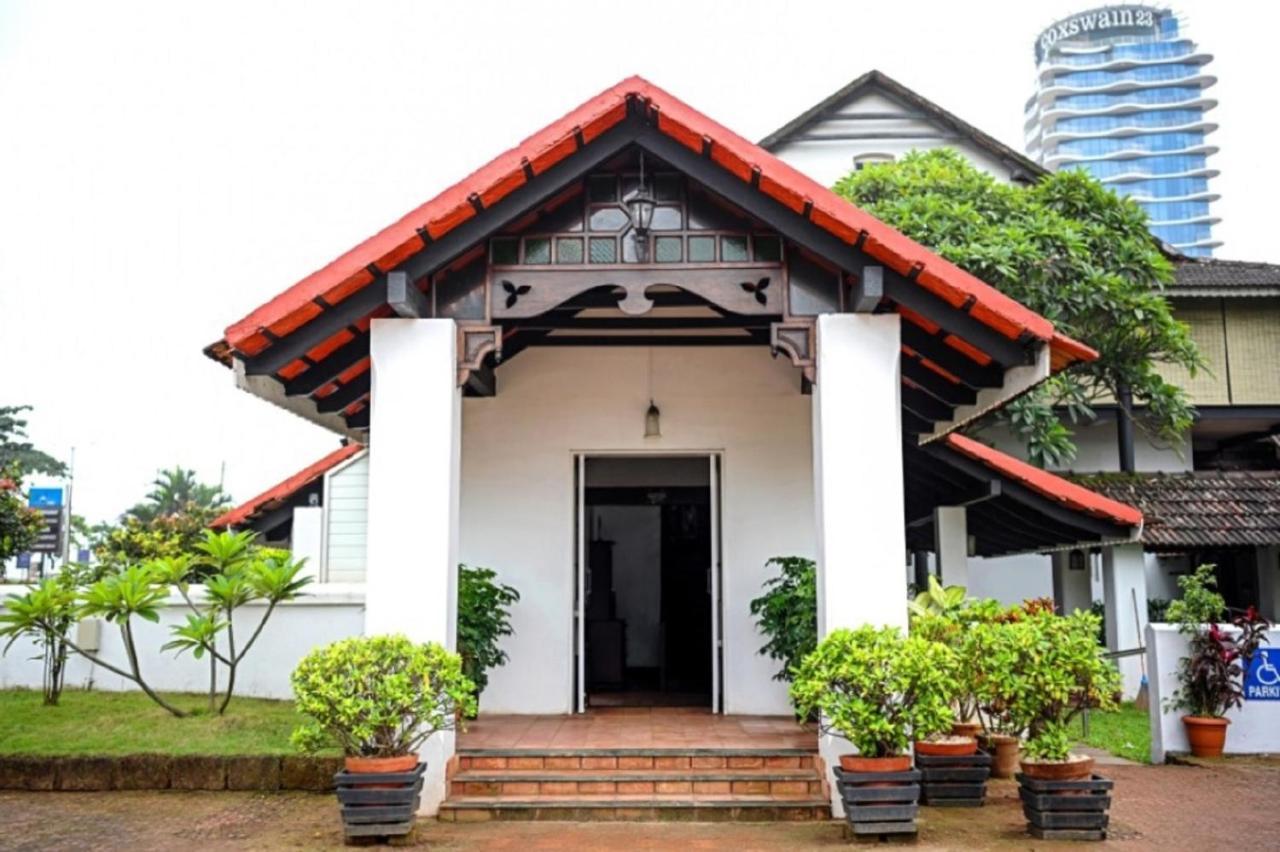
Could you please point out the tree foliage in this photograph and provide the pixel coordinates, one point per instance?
(177, 492)
(1067, 248)
(19, 524)
(483, 619)
(787, 613)
(16, 450)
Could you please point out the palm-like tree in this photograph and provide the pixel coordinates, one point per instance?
(177, 491)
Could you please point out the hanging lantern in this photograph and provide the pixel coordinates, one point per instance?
(652, 421)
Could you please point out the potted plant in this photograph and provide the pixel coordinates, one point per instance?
(880, 691)
(1211, 676)
(484, 618)
(987, 656)
(379, 698)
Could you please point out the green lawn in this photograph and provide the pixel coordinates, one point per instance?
(1125, 732)
(112, 723)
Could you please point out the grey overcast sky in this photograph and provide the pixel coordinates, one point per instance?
(166, 167)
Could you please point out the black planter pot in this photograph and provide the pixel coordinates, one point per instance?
(1066, 810)
(379, 804)
(958, 781)
(880, 803)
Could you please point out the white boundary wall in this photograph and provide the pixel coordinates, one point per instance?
(326, 614)
(1254, 728)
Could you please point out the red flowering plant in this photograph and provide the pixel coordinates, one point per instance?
(1211, 676)
(19, 525)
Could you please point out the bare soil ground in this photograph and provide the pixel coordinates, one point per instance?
(1164, 807)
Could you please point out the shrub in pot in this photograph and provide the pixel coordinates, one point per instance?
(1211, 676)
(379, 698)
(1058, 673)
(951, 627)
(987, 653)
(879, 690)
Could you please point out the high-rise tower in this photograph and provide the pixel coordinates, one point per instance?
(1120, 93)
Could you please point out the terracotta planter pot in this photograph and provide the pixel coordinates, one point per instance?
(957, 748)
(1004, 755)
(367, 765)
(966, 729)
(858, 763)
(1074, 768)
(1206, 734)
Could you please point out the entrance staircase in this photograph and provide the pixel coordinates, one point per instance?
(688, 784)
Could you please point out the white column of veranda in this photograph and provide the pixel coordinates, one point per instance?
(951, 543)
(1124, 581)
(857, 474)
(414, 466)
(1072, 588)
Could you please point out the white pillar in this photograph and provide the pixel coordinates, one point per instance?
(951, 544)
(1071, 588)
(307, 539)
(1124, 581)
(857, 474)
(414, 466)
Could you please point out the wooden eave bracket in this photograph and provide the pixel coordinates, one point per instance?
(797, 338)
(475, 343)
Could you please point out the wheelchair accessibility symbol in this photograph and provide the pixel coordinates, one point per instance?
(1262, 681)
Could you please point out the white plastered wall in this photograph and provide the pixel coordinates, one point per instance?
(518, 501)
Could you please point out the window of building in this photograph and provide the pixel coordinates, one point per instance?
(863, 160)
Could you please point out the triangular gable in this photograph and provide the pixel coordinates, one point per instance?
(358, 268)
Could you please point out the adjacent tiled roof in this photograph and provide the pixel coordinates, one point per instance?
(1200, 509)
(1212, 277)
(279, 493)
(358, 268)
(874, 79)
(1046, 484)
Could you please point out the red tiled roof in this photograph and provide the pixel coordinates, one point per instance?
(385, 250)
(1046, 484)
(281, 491)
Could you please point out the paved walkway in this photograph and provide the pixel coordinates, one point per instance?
(1165, 807)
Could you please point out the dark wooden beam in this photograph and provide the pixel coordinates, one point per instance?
(752, 339)
(331, 367)
(404, 298)
(869, 290)
(980, 493)
(548, 321)
(359, 420)
(440, 251)
(936, 386)
(965, 369)
(345, 395)
(924, 405)
(914, 424)
(910, 295)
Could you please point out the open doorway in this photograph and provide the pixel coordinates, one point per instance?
(649, 584)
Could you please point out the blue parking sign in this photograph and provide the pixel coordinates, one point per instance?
(1262, 681)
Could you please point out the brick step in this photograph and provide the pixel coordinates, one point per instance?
(779, 783)
(685, 808)
(617, 759)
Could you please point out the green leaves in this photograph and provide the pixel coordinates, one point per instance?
(1071, 250)
(483, 618)
(937, 599)
(379, 696)
(117, 597)
(787, 613)
(41, 614)
(878, 689)
(198, 635)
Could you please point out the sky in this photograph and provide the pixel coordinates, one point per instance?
(167, 167)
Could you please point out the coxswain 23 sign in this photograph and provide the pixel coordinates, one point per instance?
(1112, 20)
